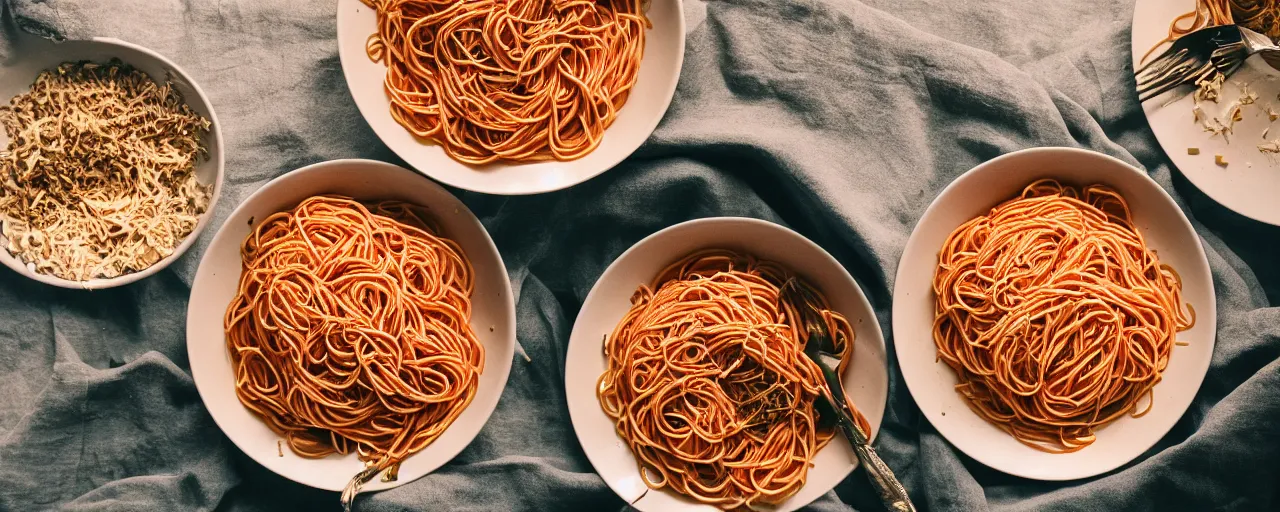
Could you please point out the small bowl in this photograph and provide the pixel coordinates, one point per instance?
(647, 103)
(932, 383)
(866, 380)
(34, 55)
(218, 278)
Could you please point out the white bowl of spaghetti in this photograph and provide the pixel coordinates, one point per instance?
(390, 284)
(647, 289)
(525, 97)
(1053, 313)
(113, 162)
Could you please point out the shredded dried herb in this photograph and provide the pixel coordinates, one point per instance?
(99, 175)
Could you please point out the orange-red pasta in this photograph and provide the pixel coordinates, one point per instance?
(351, 329)
(708, 384)
(514, 80)
(1055, 316)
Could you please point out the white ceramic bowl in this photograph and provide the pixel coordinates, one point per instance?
(216, 282)
(932, 382)
(866, 380)
(35, 54)
(655, 85)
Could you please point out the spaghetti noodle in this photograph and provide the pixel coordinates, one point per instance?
(515, 80)
(350, 330)
(1055, 316)
(708, 383)
(1259, 15)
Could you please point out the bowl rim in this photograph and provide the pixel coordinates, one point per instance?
(406, 153)
(1205, 312)
(218, 157)
(859, 297)
(503, 361)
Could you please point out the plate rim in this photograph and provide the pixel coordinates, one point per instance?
(859, 297)
(342, 20)
(504, 360)
(1203, 314)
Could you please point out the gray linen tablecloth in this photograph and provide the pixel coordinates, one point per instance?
(840, 118)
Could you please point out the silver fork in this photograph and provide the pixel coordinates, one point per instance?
(833, 403)
(1198, 55)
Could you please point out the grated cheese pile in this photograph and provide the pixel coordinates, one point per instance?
(99, 175)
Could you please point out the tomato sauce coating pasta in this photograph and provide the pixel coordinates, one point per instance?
(351, 329)
(708, 384)
(1055, 315)
(514, 80)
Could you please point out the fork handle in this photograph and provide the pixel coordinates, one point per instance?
(892, 494)
(353, 486)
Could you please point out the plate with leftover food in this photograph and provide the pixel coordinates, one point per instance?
(1222, 133)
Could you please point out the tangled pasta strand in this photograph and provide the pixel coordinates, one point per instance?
(708, 383)
(515, 80)
(351, 329)
(1055, 316)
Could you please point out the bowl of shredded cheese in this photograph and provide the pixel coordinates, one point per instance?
(110, 162)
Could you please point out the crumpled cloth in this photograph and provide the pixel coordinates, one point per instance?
(842, 119)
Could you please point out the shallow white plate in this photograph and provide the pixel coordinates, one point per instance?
(655, 85)
(932, 382)
(216, 282)
(865, 380)
(34, 54)
(1250, 183)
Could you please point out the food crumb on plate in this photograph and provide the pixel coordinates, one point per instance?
(1247, 97)
(1220, 160)
(1209, 89)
